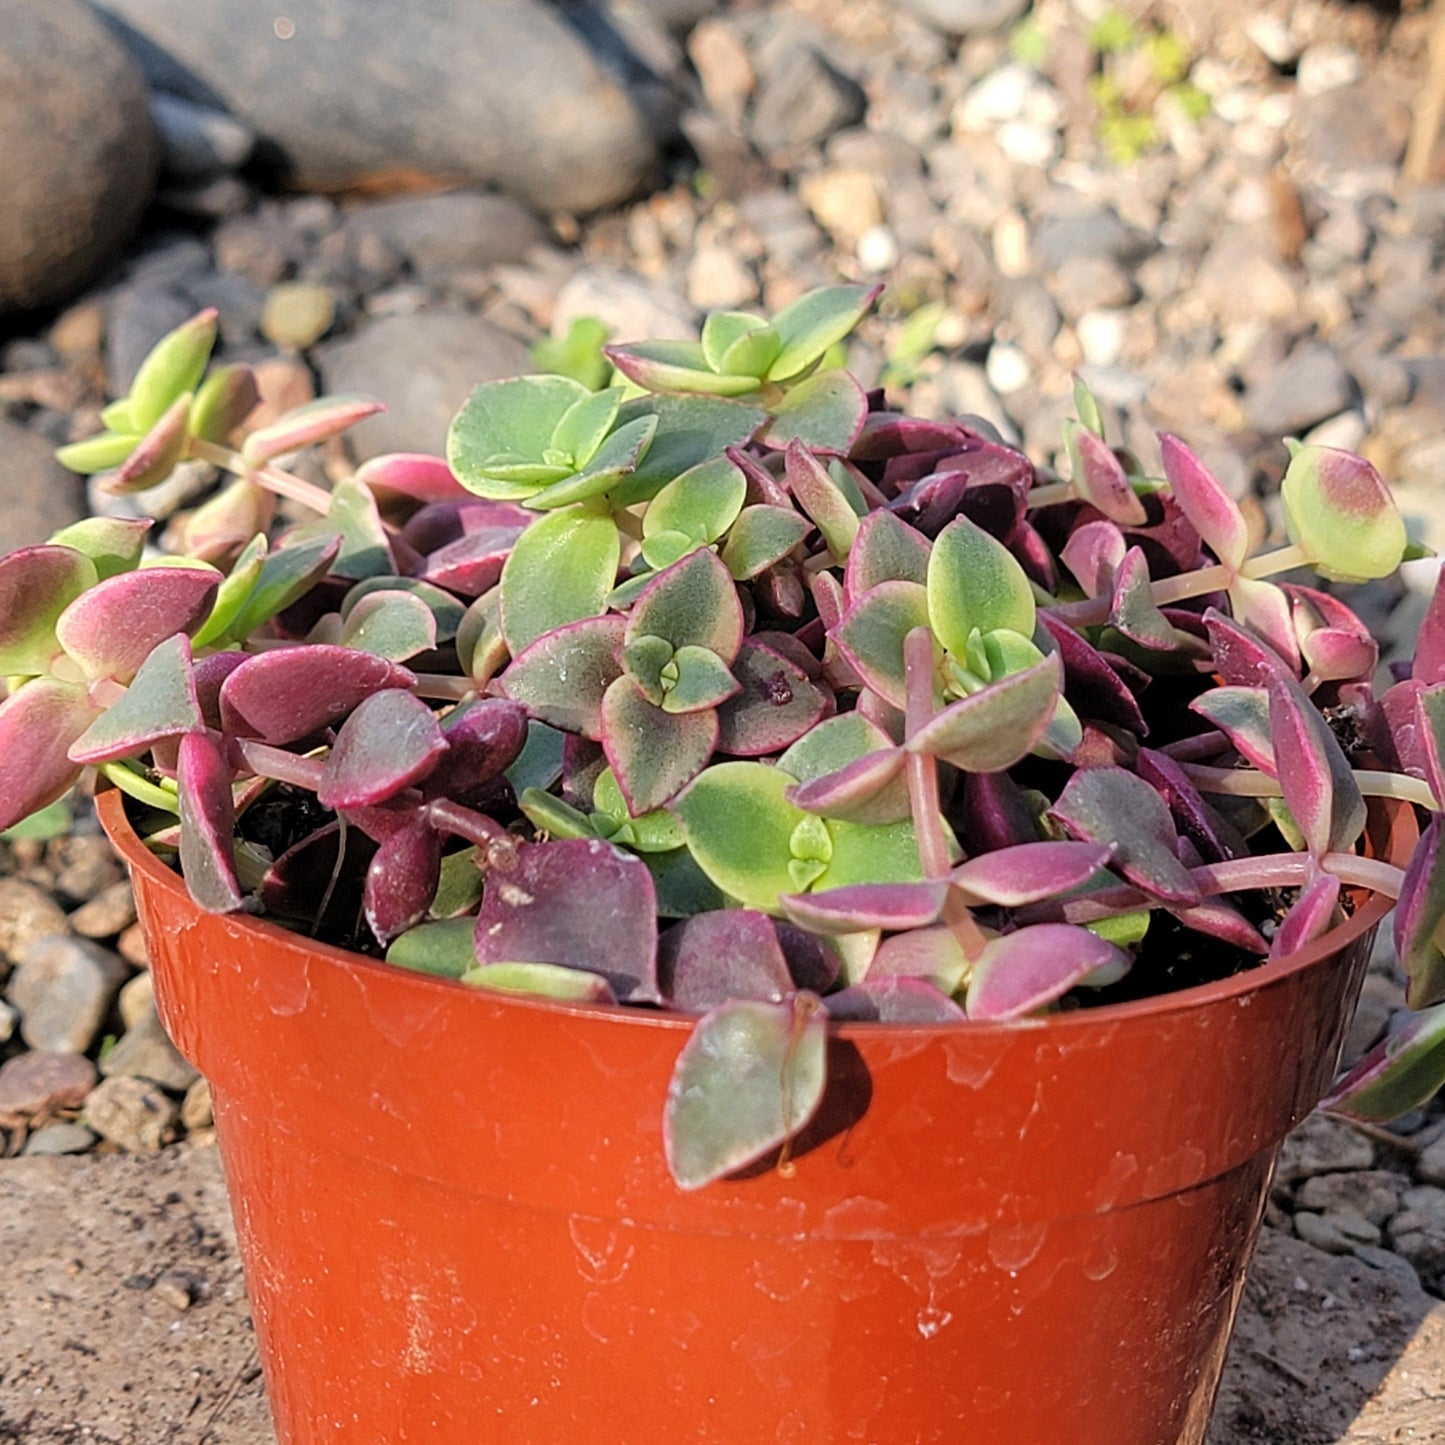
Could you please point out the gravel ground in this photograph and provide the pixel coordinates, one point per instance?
(1218, 236)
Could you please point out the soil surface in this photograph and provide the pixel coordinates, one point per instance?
(125, 1322)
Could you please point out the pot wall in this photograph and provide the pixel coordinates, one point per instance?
(457, 1223)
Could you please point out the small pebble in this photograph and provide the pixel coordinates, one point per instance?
(132, 1114)
(298, 314)
(109, 913)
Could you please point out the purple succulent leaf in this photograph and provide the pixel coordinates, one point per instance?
(1094, 553)
(562, 678)
(1092, 683)
(750, 1077)
(1311, 916)
(1035, 556)
(1111, 806)
(1213, 512)
(156, 455)
(402, 880)
(828, 598)
(981, 479)
(1012, 877)
(654, 754)
(821, 499)
(885, 549)
(813, 963)
(764, 489)
(870, 790)
(994, 812)
(1242, 715)
(1210, 832)
(933, 954)
(390, 741)
(1400, 712)
(994, 728)
(409, 477)
(826, 410)
(1023, 971)
(900, 1000)
(1218, 918)
(1429, 641)
(1264, 609)
(579, 903)
(316, 421)
(1430, 732)
(1420, 919)
(777, 703)
(693, 603)
(1315, 777)
(208, 825)
(1101, 477)
(1405, 1070)
(871, 634)
(160, 702)
(1132, 609)
(290, 693)
(210, 673)
(473, 563)
(860, 906)
(111, 629)
(706, 960)
(318, 881)
(38, 723)
(483, 741)
(37, 584)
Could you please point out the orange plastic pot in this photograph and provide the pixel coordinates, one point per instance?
(457, 1225)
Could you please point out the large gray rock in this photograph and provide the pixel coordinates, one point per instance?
(64, 988)
(78, 150)
(458, 230)
(423, 366)
(37, 495)
(353, 93)
(966, 17)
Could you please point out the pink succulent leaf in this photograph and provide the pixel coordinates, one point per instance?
(1430, 730)
(933, 954)
(37, 584)
(1241, 657)
(1026, 970)
(1311, 916)
(1400, 710)
(1340, 513)
(871, 634)
(1242, 715)
(870, 789)
(38, 723)
(316, 421)
(1403, 1071)
(1219, 918)
(1315, 777)
(1101, 477)
(1264, 609)
(826, 411)
(391, 740)
(1012, 877)
(483, 741)
(751, 1076)
(562, 678)
(580, 903)
(763, 488)
(1213, 512)
(885, 549)
(821, 499)
(860, 906)
(1132, 609)
(410, 477)
(1092, 683)
(706, 960)
(828, 598)
(653, 754)
(111, 629)
(1420, 919)
(1111, 806)
(777, 703)
(693, 603)
(290, 693)
(901, 1000)
(402, 880)
(218, 529)
(994, 728)
(1094, 553)
(156, 455)
(1334, 655)
(160, 702)
(208, 824)
(1429, 642)
(1210, 832)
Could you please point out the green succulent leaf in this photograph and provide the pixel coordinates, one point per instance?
(994, 728)
(113, 544)
(1341, 514)
(761, 536)
(554, 817)
(698, 506)
(614, 459)
(497, 439)
(737, 343)
(578, 354)
(974, 581)
(98, 453)
(584, 425)
(353, 517)
(443, 948)
(677, 366)
(826, 411)
(813, 323)
(694, 603)
(394, 625)
(173, 368)
(870, 635)
(560, 570)
(701, 680)
(459, 885)
(286, 574)
(444, 607)
(236, 586)
(37, 584)
(1403, 1071)
(751, 1076)
(160, 702)
(690, 430)
(871, 853)
(653, 753)
(226, 398)
(822, 499)
(544, 980)
(654, 832)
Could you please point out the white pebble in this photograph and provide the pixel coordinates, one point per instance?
(1101, 336)
(1011, 245)
(1027, 144)
(1327, 67)
(877, 250)
(1272, 35)
(1007, 369)
(999, 96)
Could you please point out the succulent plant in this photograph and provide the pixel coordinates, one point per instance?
(726, 689)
